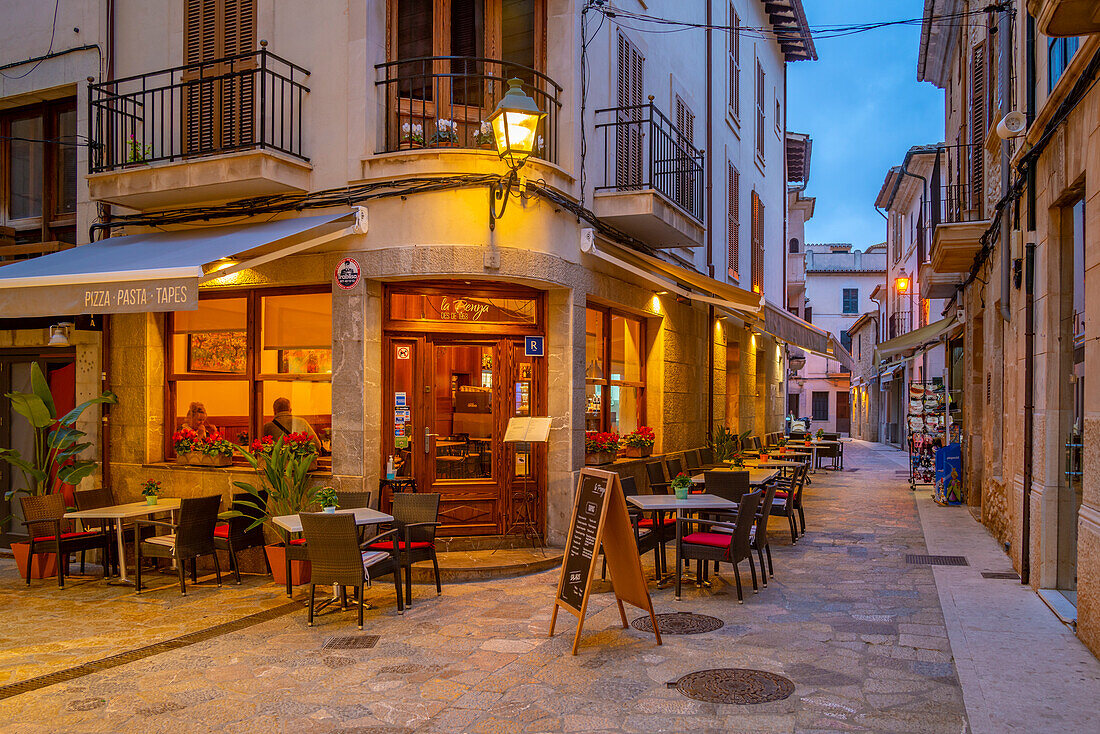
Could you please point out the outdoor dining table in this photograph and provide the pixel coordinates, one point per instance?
(662, 503)
(292, 524)
(128, 511)
(757, 477)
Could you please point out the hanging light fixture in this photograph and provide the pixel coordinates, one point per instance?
(59, 334)
(515, 123)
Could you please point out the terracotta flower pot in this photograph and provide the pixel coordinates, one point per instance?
(595, 458)
(637, 452)
(300, 571)
(43, 565)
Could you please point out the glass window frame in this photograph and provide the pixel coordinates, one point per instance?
(606, 382)
(844, 302)
(814, 404)
(252, 375)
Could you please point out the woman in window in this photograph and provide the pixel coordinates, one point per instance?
(196, 420)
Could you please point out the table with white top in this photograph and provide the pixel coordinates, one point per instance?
(292, 524)
(128, 511)
(757, 477)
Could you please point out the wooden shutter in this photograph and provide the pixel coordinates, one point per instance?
(685, 175)
(628, 132)
(733, 222)
(735, 63)
(219, 113)
(757, 243)
(759, 110)
(978, 125)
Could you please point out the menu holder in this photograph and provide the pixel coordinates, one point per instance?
(533, 429)
(600, 517)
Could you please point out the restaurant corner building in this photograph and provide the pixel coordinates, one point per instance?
(333, 249)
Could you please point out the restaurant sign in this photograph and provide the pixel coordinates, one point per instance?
(134, 296)
(446, 307)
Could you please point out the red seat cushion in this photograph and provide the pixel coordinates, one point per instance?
(68, 536)
(780, 495)
(222, 531)
(716, 540)
(298, 541)
(384, 545)
(648, 522)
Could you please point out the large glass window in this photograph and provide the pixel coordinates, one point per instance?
(252, 364)
(614, 371)
(1059, 53)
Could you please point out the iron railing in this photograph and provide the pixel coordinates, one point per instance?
(899, 323)
(446, 101)
(247, 101)
(642, 149)
(958, 179)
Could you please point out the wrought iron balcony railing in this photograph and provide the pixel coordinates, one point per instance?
(644, 150)
(446, 101)
(959, 200)
(242, 102)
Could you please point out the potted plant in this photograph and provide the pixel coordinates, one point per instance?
(726, 445)
(213, 450)
(446, 134)
(150, 491)
(638, 443)
(820, 433)
(300, 445)
(600, 447)
(54, 460)
(412, 136)
(283, 489)
(484, 136)
(136, 152)
(681, 485)
(326, 497)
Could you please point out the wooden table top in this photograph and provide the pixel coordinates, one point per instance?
(756, 476)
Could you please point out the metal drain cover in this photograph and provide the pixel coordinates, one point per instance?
(1001, 575)
(925, 560)
(354, 642)
(679, 623)
(735, 685)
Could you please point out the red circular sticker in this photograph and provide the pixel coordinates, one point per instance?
(347, 273)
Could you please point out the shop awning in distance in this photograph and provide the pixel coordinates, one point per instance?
(784, 325)
(914, 340)
(156, 271)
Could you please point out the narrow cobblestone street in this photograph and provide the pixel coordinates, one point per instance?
(859, 632)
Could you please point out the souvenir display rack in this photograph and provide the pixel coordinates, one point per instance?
(927, 424)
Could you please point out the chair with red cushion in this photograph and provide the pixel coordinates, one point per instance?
(646, 536)
(192, 536)
(655, 473)
(417, 517)
(44, 518)
(786, 496)
(710, 543)
(236, 534)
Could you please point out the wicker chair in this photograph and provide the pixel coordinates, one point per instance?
(191, 537)
(94, 499)
(830, 451)
(337, 558)
(655, 472)
(758, 539)
(351, 501)
(784, 503)
(706, 458)
(691, 459)
(417, 517)
(674, 466)
(237, 533)
(43, 517)
(646, 535)
(732, 546)
(729, 485)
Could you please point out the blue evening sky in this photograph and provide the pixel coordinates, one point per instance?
(863, 106)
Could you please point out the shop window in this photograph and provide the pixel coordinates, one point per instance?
(614, 371)
(240, 356)
(820, 406)
(38, 172)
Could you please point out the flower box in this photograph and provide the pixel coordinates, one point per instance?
(194, 458)
(300, 571)
(43, 565)
(595, 458)
(636, 452)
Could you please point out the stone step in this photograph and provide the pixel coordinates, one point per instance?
(478, 565)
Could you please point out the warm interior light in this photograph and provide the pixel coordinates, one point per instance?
(515, 124)
(756, 289)
(902, 284)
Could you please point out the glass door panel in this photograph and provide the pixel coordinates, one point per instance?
(404, 404)
(463, 412)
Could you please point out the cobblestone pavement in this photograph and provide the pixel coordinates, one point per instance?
(858, 631)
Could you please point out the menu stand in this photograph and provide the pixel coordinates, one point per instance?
(521, 432)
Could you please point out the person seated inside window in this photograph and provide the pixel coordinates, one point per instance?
(286, 422)
(197, 422)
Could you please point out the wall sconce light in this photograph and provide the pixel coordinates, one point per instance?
(902, 285)
(515, 123)
(59, 334)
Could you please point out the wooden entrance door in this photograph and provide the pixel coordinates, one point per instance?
(843, 412)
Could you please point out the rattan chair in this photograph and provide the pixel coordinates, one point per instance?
(674, 466)
(758, 539)
(706, 458)
(655, 472)
(191, 537)
(727, 484)
(239, 533)
(830, 451)
(417, 517)
(648, 535)
(337, 558)
(44, 516)
(691, 459)
(351, 501)
(731, 547)
(94, 499)
(785, 498)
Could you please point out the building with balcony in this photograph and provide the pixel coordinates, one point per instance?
(307, 202)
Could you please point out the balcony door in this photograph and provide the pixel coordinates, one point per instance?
(219, 95)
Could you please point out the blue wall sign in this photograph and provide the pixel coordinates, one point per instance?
(533, 346)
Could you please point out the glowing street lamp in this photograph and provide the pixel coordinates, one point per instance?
(515, 123)
(901, 285)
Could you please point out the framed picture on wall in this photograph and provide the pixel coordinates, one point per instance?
(305, 361)
(217, 351)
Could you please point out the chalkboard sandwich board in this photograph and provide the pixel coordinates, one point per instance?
(600, 518)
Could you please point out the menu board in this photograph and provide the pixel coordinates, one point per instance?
(600, 519)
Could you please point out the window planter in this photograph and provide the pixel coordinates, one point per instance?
(194, 458)
(636, 452)
(595, 458)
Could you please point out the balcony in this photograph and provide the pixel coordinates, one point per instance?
(444, 102)
(652, 177)
(899, 323)
(209, 131)
(957, 211)
(1065, 17)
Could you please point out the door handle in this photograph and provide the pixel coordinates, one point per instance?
(428, 440)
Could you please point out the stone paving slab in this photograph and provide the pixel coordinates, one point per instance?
(860, 634)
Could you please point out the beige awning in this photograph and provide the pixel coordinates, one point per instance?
(784, 325)
(915, 340)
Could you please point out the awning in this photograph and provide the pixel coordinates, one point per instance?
(157, 271)
(673, 278)
(913, 340)
(840, 354)
(889, 371)
(782, 324)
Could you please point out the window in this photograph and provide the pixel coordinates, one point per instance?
(735, 64)
(733, 221)
(759, 111)
(808, 315)
(38, 179)
(1059, 53)
(778, 117)
(686, 177)
(859, 347)
(757, 244)
(851, 300)
(820, 406)
(240, 352)
(792, 246)
(846, 340)
(978, 123)
(895, 234)
(793, 407)
(614, 371)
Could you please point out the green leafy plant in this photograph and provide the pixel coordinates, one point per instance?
(283, 489)
(136, 152)
(681, 481)
(726, 445)
(57, 443)
(326, 496)
(820, 433)
(151, 488)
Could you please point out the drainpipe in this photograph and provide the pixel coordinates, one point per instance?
(1029, 409)
(709, 218)
(1004, 72)
(710, 372)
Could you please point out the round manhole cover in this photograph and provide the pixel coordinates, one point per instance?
(735, 685)
(679, 623)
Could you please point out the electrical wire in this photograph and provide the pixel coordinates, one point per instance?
(53, 33)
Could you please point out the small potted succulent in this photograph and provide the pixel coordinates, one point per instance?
(681, 485)
(600, 447)
(638, 443)
(326, 497)
(150, 490)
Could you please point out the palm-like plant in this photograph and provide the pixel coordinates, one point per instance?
(284, 487)
(57, 442)
(727, 444)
